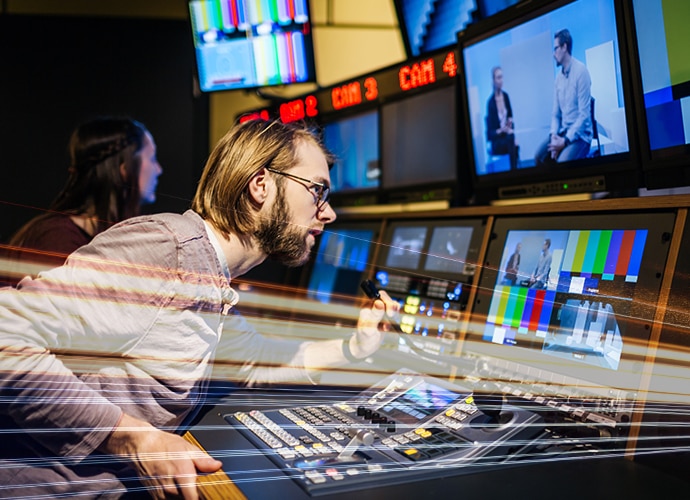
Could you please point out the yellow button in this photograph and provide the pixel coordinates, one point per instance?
(411, 451)
(318, 445)
(450, 412)
(420, 431)
(469, 400)
(426, 434)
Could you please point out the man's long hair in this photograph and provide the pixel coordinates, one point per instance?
(222, 197)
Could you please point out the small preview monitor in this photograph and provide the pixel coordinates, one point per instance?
(354, 141)
(406, 247)
(418, 139)
(248, 44)
(545, 97)
(448, 249)
(341, 262)
(573, 295)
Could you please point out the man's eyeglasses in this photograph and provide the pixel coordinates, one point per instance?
(320, 191)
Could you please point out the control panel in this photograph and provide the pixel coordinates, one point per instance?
(429, 307)
(404, 428)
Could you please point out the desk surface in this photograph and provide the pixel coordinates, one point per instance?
(258, 478)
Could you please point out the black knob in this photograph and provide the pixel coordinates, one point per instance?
(360, 410)
(367, 414)
(489, 399)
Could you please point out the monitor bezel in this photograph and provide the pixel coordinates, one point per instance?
(621, 171)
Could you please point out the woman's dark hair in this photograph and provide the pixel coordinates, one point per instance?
(96, 185)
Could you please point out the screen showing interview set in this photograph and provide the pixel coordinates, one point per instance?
(572, 293)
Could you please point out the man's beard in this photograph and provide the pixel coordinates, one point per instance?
(280, 239)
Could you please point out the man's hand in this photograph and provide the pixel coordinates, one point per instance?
(556, 145)
(166, 463)
(368, 337)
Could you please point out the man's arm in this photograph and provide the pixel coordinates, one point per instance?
(581, 128)
(364, 342)
(556, 113)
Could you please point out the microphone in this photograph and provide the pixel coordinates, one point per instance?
(372, 292)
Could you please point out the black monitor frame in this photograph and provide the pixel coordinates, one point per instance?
(617, 174)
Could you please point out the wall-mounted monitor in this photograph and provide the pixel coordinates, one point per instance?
(545, 101)
(341, 261)
(427, 25)
(572, 295)
(428, 266)
(663, 85)
(248, 44)
(354, 140)
(419, 143)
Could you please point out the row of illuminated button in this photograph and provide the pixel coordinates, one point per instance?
(317, 477)
(259, 430)
(408, 437)
(432, 443)
(305, 425)
(454, 416)
(274, 427)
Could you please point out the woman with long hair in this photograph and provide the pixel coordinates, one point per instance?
(113, 171)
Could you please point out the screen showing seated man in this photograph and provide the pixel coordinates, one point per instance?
(340, 263)
(448, 249)
(355, 143)
(563, 291)
(406, 247)
(663, 40)
(537, 92)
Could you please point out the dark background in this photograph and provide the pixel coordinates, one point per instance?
(56, 72)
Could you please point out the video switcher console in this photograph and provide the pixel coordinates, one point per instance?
(408, 426)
